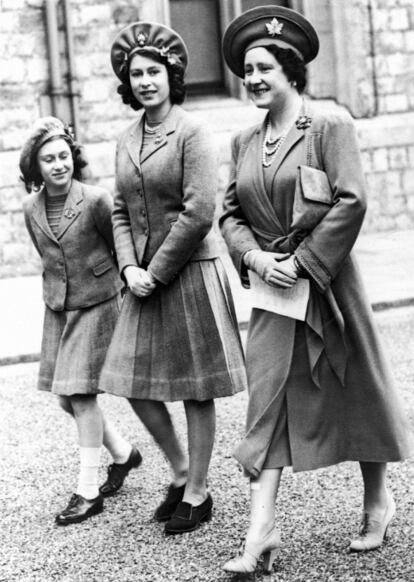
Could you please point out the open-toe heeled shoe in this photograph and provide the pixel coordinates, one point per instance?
(246, 562)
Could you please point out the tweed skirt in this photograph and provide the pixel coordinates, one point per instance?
(181, 342)
(74, 347)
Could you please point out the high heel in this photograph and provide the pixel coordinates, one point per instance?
(373, 532)
(246, 563)
(268, 559)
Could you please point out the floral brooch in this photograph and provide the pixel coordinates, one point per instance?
(303, 121)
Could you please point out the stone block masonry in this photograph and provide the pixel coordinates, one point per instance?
(386, 137)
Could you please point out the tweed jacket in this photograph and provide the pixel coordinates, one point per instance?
(165, 199)
(79, 267)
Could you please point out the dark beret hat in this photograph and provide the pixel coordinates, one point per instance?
(147, 35)
(264, 26)
(43, 130)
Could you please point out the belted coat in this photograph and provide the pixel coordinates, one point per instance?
(79, 266)
(352, 412)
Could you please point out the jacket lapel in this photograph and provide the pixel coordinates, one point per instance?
(39, 214)
(134, 142)
(167, 127)
(71, 209)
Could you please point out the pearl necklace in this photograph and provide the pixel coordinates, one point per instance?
(151, 129)
(270, 146)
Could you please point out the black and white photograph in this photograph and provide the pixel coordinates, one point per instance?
(206, 290)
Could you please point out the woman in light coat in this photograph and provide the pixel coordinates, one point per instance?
(70, 225)
(177, 336)
(320, 390)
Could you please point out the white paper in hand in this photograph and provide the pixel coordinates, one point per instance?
(291, 302)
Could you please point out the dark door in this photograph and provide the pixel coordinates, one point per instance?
(247, 4)
(198, 22)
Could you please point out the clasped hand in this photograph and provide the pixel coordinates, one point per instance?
(140, 281)
(276, 269)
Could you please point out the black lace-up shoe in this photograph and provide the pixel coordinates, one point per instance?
(79, 509)
(118, 471)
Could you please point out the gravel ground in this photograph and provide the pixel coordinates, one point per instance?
(318, 511)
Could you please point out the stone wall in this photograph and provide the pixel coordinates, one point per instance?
(386, 137)
(393, 47)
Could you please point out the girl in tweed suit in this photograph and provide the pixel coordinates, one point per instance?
(177, 337)
(70, 226)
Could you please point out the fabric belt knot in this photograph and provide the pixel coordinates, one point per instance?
(328, 338)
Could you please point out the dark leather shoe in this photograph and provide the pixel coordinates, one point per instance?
(79, 509)
(188, 517)
(118, 471)
(165, 511)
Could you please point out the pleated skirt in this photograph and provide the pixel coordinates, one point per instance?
(181, 342)
(74, 347)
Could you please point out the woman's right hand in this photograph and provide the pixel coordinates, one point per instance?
(272, 267)
(139, 281)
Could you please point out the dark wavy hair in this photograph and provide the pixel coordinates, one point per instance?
(175, 73)
(33, 179)
(292, 65)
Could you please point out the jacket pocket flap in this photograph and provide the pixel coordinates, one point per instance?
(101, 267)
(315, 185)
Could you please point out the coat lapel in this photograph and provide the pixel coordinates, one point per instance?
(292, 137)
(71, 209)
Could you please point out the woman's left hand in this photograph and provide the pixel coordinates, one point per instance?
(140, 281)
(281, 270)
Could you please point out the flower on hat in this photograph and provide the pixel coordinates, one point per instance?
(141, 39)
(274, 27)
(152, 35)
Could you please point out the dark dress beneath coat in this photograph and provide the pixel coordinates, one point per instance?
(181, 342)
(320, 391)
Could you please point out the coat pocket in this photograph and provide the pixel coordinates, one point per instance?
(313, 198)
(101, 267)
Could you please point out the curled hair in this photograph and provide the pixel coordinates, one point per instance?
(292, 65)
(175, 73)
(33, 179)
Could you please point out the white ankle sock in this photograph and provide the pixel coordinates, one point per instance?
(118, 447)
(88, 473)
